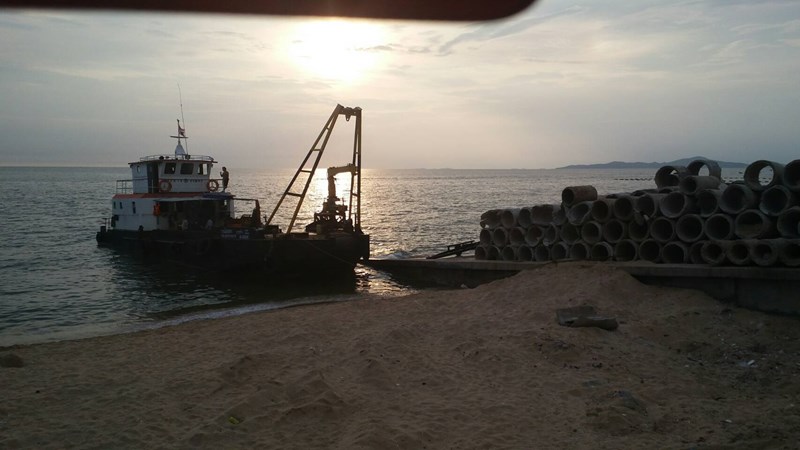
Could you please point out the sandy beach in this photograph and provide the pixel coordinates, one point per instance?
(483, 368)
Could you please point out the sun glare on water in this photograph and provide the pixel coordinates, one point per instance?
(336, 49)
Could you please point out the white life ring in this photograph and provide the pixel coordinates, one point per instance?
(165, 185)
(212, 185)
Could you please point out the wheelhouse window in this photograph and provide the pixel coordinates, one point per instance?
(134, 207)
(169, 168)
(201, 169)
(187, 168)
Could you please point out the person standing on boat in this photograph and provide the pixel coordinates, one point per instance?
(225, 176)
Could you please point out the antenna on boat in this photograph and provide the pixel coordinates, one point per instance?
(179, 150)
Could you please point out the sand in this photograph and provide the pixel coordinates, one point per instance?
(483, 368)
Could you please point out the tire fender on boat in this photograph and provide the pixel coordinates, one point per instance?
(212, 185)
(165, 185)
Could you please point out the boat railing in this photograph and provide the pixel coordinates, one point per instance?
(182, 157)
(124, 186)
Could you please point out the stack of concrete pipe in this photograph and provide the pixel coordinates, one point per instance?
(688, 218)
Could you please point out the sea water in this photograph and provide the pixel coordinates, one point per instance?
(56, 283)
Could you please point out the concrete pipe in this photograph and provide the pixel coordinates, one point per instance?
(791, 175)
(486, 237)
(525, 219)
(707, 201)
(695, 255)
(624, 207)
(776, 200)
(601, 251)
(668, 189)
(789, 223)
(737, 198)
(765, 252)
(508, 218)
(491, 218)
(771, 173)
(648, 204)
(670, 176)
(509, 253)
(712, 168)
(551, 235)
(715, 252)
(719, 227)
(753, 224)
(603, 209)
(626, 250)
(570, 233)
(614, 231)
(516, 236)
(675, 253)
(559, 251)
(790, 253)
(493, 254)
(481, 252)
(638, 228)
(573, 195)
(500, 237)
(543, 214)
(650, 250)
(641, 192)
(534, 235)
(738, 253)
(560, 216)
(676, 204)
(693, 184)
(579, 251)
(689, 228)
(579, 213)
(592, 232)
(662, 229)
(525, 253)
(541, 253)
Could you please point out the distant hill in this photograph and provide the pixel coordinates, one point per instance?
(651, 165)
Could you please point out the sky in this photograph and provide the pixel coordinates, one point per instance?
(563, 82)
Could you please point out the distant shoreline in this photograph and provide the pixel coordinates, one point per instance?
(653, 165)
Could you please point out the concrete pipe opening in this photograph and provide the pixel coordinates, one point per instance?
(765, 252)
(509, 253)
(715, 252)
(662, 229)
(524, 219)
(675, 253)
(638, 230)
(689, 228)
(559, 251)
(575, 194)
(516, 236)
(737, 198)
(486, 237)
(493, 254)
(791, 175)
(579, 213)
(615, 231)
(508, 218)
(541, 253)
(592, 232)
(670, 176)
(525, 253)
(544, 214)
(648, 204)
(560, 216)
(603, 209)
(570, 233)
(695, 255)
(534, 235)
(481, 252)
(624, 207)
(763, 174)
(753, 224)
(676, 204)
(719, 227)
(693, 184)
(790, 253)
(738, 253)
(707, 201)
(491, 218)
(776, 200)
(650, 250)
(705, 167)
(601, 251)
(626, 250)
(789, 223)
(551, 235)
(500, 237)
(579, 251)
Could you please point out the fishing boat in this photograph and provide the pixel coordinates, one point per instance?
(173, 209)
